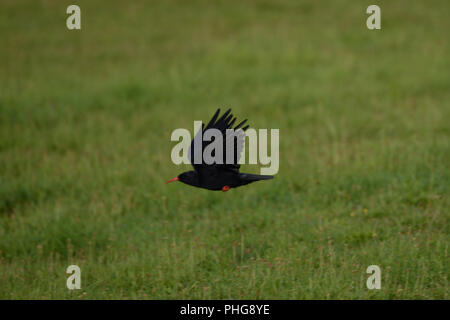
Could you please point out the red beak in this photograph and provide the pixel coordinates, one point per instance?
(172, 180)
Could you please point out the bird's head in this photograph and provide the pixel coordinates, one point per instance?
(188, 177)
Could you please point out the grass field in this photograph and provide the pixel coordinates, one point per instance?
(85, 124)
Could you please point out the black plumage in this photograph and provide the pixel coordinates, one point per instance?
(220, 175)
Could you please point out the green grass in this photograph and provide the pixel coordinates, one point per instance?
(85, 123)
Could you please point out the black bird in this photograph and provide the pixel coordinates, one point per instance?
(220, 176)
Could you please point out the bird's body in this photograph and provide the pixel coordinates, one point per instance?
(220, 179)
(220, 175)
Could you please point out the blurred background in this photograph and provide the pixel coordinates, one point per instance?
(85, 123)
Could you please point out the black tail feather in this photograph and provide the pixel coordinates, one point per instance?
(247, 177)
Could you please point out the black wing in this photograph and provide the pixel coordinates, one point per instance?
(226, 121)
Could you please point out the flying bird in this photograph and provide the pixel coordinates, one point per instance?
(219, 175)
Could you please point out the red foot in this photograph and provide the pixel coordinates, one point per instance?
(225, 188)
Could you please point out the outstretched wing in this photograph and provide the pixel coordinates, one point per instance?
(226, 121)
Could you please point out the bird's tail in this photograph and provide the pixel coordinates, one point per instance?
(247, 177)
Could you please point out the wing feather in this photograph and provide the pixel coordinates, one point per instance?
(222, 123)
